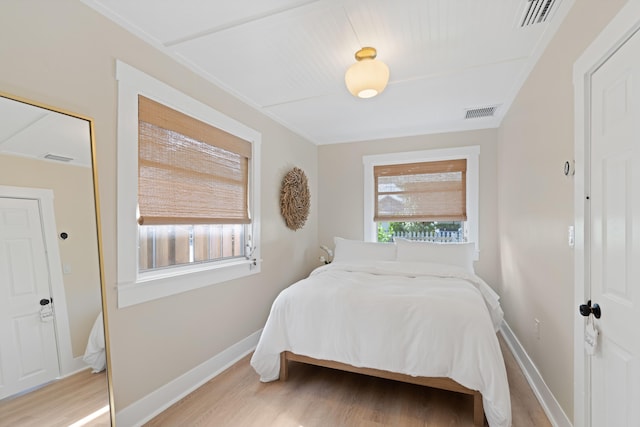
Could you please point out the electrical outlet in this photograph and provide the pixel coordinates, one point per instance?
(536, 328)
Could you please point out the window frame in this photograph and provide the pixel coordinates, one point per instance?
(134, 287)
(470, 153)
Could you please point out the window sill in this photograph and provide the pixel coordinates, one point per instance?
(152, 286)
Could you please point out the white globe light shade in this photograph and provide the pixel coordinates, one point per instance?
(367, 78)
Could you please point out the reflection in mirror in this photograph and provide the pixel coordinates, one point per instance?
(52, 341)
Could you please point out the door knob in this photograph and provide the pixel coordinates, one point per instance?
(44, 301)
(588, 309)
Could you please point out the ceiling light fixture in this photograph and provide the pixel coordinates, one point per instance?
(367, 77)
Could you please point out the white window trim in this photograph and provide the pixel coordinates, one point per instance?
(133, 287)
(470, 153)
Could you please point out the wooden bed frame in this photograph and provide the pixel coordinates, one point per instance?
(434, 382)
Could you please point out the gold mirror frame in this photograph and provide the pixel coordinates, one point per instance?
(96, 199)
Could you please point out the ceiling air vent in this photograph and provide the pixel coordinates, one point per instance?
(537, 11)
(476, 113)
(57, 157)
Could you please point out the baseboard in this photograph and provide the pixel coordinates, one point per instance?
(77, 365)
(73, 367)
(154, 403)
(550, 405)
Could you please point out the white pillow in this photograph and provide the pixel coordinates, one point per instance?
(357, 250)
(458, 254)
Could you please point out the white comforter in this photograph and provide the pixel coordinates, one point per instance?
(417, 319)
(94, 354)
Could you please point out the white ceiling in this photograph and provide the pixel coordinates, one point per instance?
(287, 58)
(30, 131)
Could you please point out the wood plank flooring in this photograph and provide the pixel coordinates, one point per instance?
(321, 397)
(60, 403)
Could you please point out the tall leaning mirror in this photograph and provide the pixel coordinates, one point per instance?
(53, 351)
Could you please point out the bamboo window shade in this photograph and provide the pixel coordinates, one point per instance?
(189, 172)
(427, 191)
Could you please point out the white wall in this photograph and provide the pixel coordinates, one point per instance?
(62, 53)
(535, 201)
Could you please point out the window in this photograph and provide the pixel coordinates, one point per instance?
(162, 246)
(421, 201)
(426, 195)
(187, 213)
(192, 189)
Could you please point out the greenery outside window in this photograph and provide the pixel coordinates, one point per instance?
(431, 231)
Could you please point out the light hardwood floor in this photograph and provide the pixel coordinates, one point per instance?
(60, 403)
(321, 397)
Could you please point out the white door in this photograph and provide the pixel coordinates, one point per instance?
(28, 351)
(615, 237)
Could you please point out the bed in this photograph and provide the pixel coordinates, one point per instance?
(412, 312)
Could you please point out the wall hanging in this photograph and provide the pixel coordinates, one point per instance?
(295, 198)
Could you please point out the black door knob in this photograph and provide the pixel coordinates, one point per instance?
(585, 309)
(44, 301)
(588, 309)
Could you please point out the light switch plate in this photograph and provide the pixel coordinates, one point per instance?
(571, 236)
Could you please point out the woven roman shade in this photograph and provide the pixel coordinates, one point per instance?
(189, 172)
(428, 191)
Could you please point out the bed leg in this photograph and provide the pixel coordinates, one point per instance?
(478, 410)
(284, 366)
